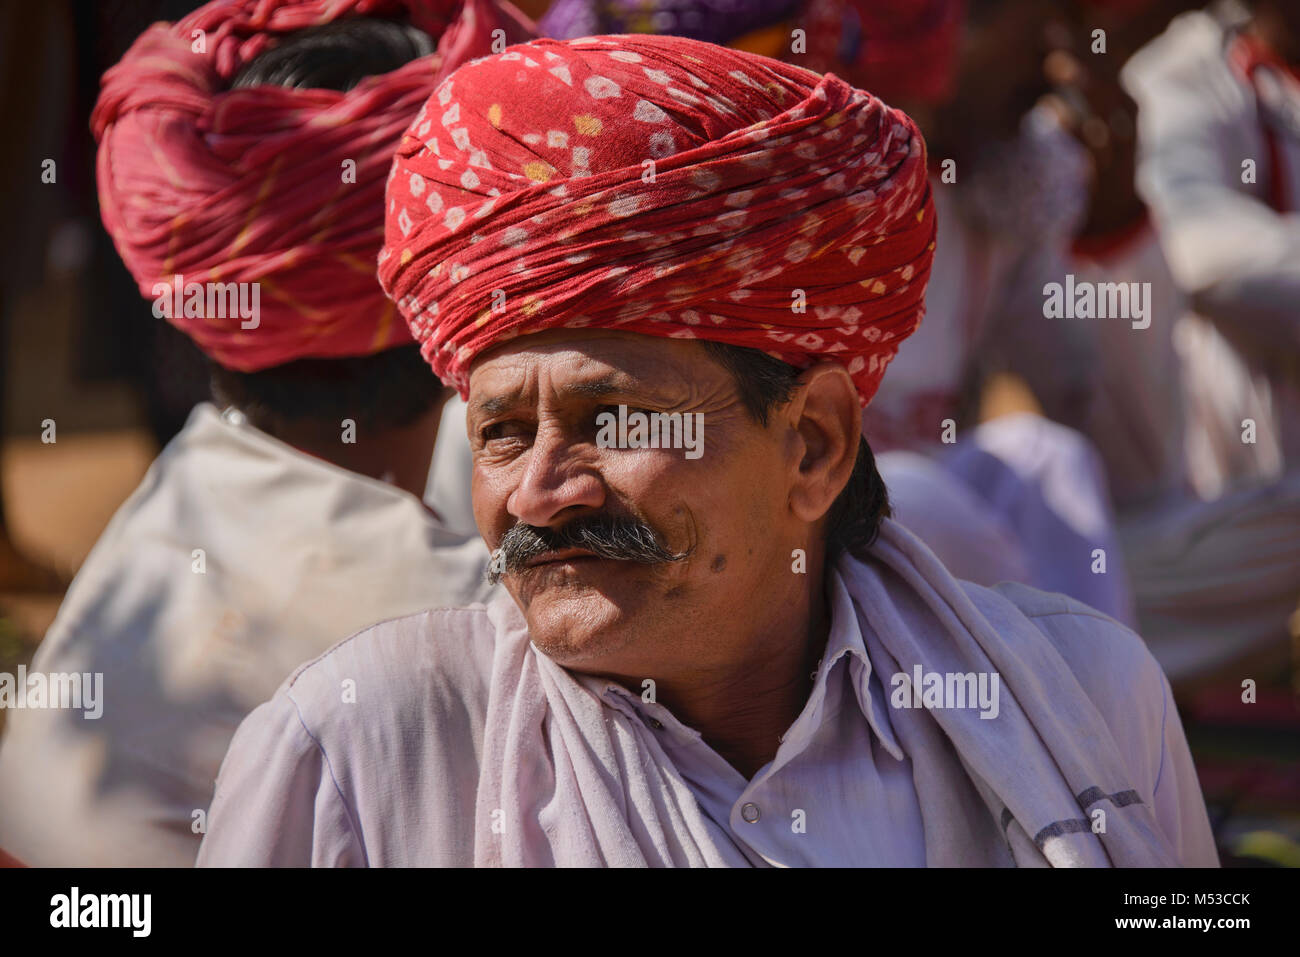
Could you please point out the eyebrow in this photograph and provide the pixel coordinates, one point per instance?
(599, 388)
(607, 385)
(494, 404)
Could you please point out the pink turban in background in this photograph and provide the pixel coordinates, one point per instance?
(248, 185)
(663, 186)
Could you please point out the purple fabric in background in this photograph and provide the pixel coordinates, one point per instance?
(715, 21)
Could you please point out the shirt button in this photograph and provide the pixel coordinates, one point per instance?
(656, 724)
(749, 812)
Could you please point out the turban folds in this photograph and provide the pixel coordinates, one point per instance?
(663, 186)
(253, 185)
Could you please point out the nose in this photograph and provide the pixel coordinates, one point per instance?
(555, 481)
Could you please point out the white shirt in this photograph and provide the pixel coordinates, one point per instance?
(236, 559)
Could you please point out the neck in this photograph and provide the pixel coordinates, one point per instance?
(400, 455)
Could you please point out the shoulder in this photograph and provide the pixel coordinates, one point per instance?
(1110, 662)
(1100, 650)
(1190, 42)
(367, 754)
(1129, 691)
(1186, 62)
(431, 664)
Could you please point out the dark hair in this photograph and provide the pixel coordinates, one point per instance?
(335, 56)
(386, 390)
(764, 383)
(390, 388)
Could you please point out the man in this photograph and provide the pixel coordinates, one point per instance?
(1218, 165)
(247, 145)
(702, 658)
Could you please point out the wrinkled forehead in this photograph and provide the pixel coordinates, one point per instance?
(591, 363)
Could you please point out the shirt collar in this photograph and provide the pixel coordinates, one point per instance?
(846, 641)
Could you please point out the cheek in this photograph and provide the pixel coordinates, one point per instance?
(745, 503)
(642, 475)
(723, 505)
(743, 525)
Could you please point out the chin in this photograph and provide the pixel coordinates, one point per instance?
(574, 622)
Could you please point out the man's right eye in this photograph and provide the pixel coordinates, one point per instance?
(503, 430)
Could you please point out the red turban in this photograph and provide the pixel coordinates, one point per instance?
(899, 49)
(662, 186)
(251, 185)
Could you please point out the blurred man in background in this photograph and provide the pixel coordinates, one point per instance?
(248, 146)
(1190, 418)
(1219, 165)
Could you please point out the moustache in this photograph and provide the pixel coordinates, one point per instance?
(622, 539)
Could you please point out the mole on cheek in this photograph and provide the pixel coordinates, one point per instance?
(719, 562)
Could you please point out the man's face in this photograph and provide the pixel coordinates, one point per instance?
(534, 408)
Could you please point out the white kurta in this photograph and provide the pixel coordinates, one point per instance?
(237, 559)
(465, 745)
(1213, 581)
